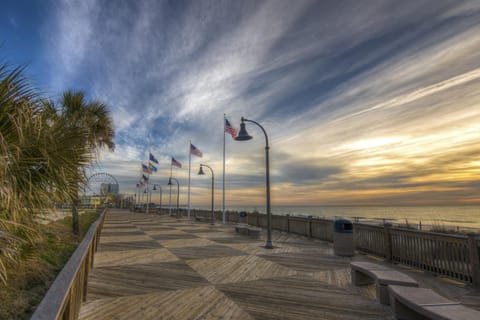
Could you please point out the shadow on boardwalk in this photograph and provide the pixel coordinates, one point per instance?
(156, 267)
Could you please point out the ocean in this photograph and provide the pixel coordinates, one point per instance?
(463, 217)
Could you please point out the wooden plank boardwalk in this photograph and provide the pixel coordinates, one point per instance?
(157, 267)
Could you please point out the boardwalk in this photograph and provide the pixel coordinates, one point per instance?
(153, 267)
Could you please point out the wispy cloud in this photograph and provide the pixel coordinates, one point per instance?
(371, 103)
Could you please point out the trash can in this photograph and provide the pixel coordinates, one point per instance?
(343, 238)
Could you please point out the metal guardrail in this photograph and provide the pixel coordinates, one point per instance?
(64, 298)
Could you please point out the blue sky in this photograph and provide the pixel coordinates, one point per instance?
(374, 104)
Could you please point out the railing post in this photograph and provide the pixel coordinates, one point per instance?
(288, 223)
(474, 259)
(309, 226)
(388, 242)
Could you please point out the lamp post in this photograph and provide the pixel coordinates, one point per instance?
(178, 189)
(147, 193)
(160, 190)
(200, 172)
(244, 136)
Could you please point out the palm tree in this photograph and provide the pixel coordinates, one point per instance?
(42, 153)
(92, 119)
(15, 116)
(35, 166)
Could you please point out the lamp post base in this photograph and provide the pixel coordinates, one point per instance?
(268, 244)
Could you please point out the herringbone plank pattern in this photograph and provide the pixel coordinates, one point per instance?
(157, 267)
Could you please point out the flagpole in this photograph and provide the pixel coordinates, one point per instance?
(189, 165)
(148, 179)
(137, 200)
(170, 198)
(223, 191)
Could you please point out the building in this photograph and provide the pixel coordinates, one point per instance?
(109, 188)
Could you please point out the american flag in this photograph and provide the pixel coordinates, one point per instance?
(229, 129)
(176, 163)
(195, 151)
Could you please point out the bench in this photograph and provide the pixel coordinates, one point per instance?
(423, 303)
(365, 273)
(245, 229)
(202, 219)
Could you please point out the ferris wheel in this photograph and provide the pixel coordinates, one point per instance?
(101, 184)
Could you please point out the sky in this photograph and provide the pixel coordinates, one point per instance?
(364, 103)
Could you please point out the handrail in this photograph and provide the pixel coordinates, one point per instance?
(64, 298)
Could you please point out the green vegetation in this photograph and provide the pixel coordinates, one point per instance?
(38, 266)
(439, 227)
(44, 148)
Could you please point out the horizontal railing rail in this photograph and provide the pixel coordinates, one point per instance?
(64, 298)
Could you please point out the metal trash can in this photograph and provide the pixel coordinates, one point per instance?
(343, 238)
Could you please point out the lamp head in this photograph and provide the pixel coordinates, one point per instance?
(169, 181)
(200, 172)
(154, 187)
(145, 191)
(243, 134)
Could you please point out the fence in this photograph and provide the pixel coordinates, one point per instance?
(65, 296)
(452, 256)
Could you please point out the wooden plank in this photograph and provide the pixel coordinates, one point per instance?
(201, 272)
(304, 299)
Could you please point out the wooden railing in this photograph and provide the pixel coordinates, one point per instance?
(65, 296)
(370, 239)
(452, 256)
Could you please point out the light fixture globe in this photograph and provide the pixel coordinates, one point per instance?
(243, 134)
(200, 172)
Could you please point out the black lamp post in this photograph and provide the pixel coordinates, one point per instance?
(160, 190)
(200, 172)
(178, 189)
(244, 136)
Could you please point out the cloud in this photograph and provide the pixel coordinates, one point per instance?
(355, 99)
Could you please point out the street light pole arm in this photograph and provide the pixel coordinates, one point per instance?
(211, 170)
(259, 125)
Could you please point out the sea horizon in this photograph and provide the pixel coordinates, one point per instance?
(451, 216)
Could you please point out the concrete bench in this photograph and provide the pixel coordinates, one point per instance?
(423, 303)
(365, 273)
(254, 232)
(202, 219)
(245, 229)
